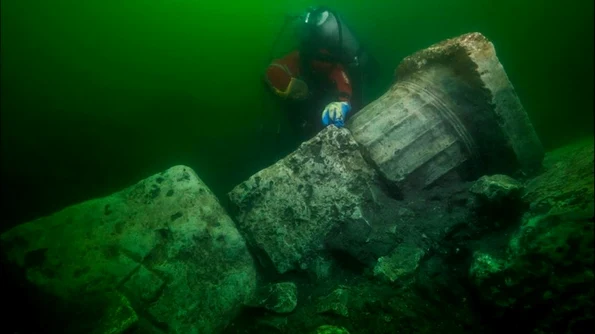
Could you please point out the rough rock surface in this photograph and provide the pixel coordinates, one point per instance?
(278, 297)
(451, 110)
(328, 329)
(161, 255)
(498, 199)
(547, 260)
(545, 279)
(497, 188)
(402, 262)
(567, 180)
(323, 196)
(335, 303)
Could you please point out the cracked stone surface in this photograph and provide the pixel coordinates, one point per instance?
(165, 245)
(322, 197)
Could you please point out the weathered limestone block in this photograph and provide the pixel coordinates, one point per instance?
(165, 244)
(322, 196)
(452, 108)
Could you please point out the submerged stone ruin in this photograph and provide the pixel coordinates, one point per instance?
(451, 110)
(435, 210)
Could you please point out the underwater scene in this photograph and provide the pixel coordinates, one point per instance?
(316, 167)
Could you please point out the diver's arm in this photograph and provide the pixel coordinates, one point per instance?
(342, 83)
(282, 73)
(336, 112)
(337, 75)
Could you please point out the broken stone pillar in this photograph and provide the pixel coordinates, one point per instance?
(162, 253)
(452, 109)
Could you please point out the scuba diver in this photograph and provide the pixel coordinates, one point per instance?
(321, 82)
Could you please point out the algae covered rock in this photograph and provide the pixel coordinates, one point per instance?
(336, 302)
(328, 329)
(497, 199)
(400, 264)
(567, 180)
(497, 189)
(277, 297)
(164, 245)
(547, 273)
(119, 317)
(545, 280)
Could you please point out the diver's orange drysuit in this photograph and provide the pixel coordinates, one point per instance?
(281, 71)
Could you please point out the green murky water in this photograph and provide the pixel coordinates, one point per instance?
(97, 95)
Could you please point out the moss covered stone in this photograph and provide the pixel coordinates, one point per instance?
(328, 329)
(165, 245)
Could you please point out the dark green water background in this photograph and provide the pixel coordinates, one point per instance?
(97, 95)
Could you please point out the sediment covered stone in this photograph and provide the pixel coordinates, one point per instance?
(118, 317)
(322, 197)
(328, 329)
(336, 303)
(566, 182)
(165, 245)
(497, 189)
(547, 275)
(277, 297)
(451, 110)
(400, 264)
(545, 279)
(497, 196)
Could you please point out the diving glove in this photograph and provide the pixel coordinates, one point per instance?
(335, 113)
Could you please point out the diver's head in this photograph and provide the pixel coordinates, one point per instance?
(316, 16)
(310, 23)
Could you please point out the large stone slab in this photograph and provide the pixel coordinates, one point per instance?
(451, 110)
(164, 246)
(322, 197)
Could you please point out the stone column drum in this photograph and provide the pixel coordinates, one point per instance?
(451, 110)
